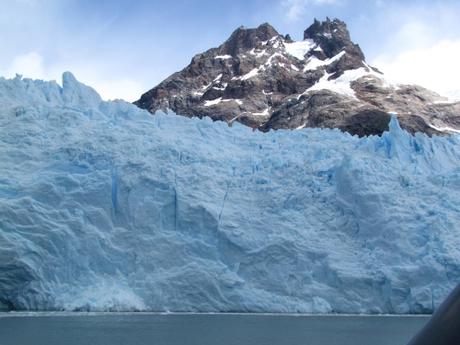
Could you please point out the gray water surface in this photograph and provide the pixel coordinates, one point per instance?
(205, 329)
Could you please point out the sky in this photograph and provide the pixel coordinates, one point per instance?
(123, 48)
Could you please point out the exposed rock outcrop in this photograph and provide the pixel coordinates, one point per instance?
(268, 81)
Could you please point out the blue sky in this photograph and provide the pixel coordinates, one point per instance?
(123, 48)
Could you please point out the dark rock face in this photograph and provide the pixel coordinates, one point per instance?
(367, 122)
(243, 39)
(333, 37)
(267, 81)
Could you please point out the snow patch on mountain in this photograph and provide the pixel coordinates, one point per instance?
(342, 84)
(300, 48)
(250, 74)
(445, 129)
(216, 101)
(223, 57)
(313, 62)
(265, 112)
(258, 52)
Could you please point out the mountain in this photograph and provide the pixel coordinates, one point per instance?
(268, 81)
(105, 207)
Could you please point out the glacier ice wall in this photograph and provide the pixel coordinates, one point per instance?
(105, 207)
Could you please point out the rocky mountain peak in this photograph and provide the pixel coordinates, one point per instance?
(266, 80)
(327, 30)
(243, 39)
(333, 37)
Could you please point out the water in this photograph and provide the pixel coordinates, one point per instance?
(204, 329)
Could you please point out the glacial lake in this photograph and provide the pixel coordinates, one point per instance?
(204, 329)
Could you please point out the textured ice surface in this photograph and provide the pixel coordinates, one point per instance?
(105, 207)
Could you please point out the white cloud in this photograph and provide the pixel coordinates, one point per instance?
(31, 65)
(127, 89)
(419, 44)
(297, 8)
(433, 66)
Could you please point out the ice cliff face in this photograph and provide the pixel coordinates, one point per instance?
(104, 207)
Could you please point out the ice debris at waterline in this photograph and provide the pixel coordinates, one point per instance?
(106, 207)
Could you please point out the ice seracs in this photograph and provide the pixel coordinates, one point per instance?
(106, 207)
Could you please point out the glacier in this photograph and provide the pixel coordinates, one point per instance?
(106, 207)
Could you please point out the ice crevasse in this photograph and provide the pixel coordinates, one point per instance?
(106, 207)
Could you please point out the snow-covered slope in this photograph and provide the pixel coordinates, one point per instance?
(105, 207)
